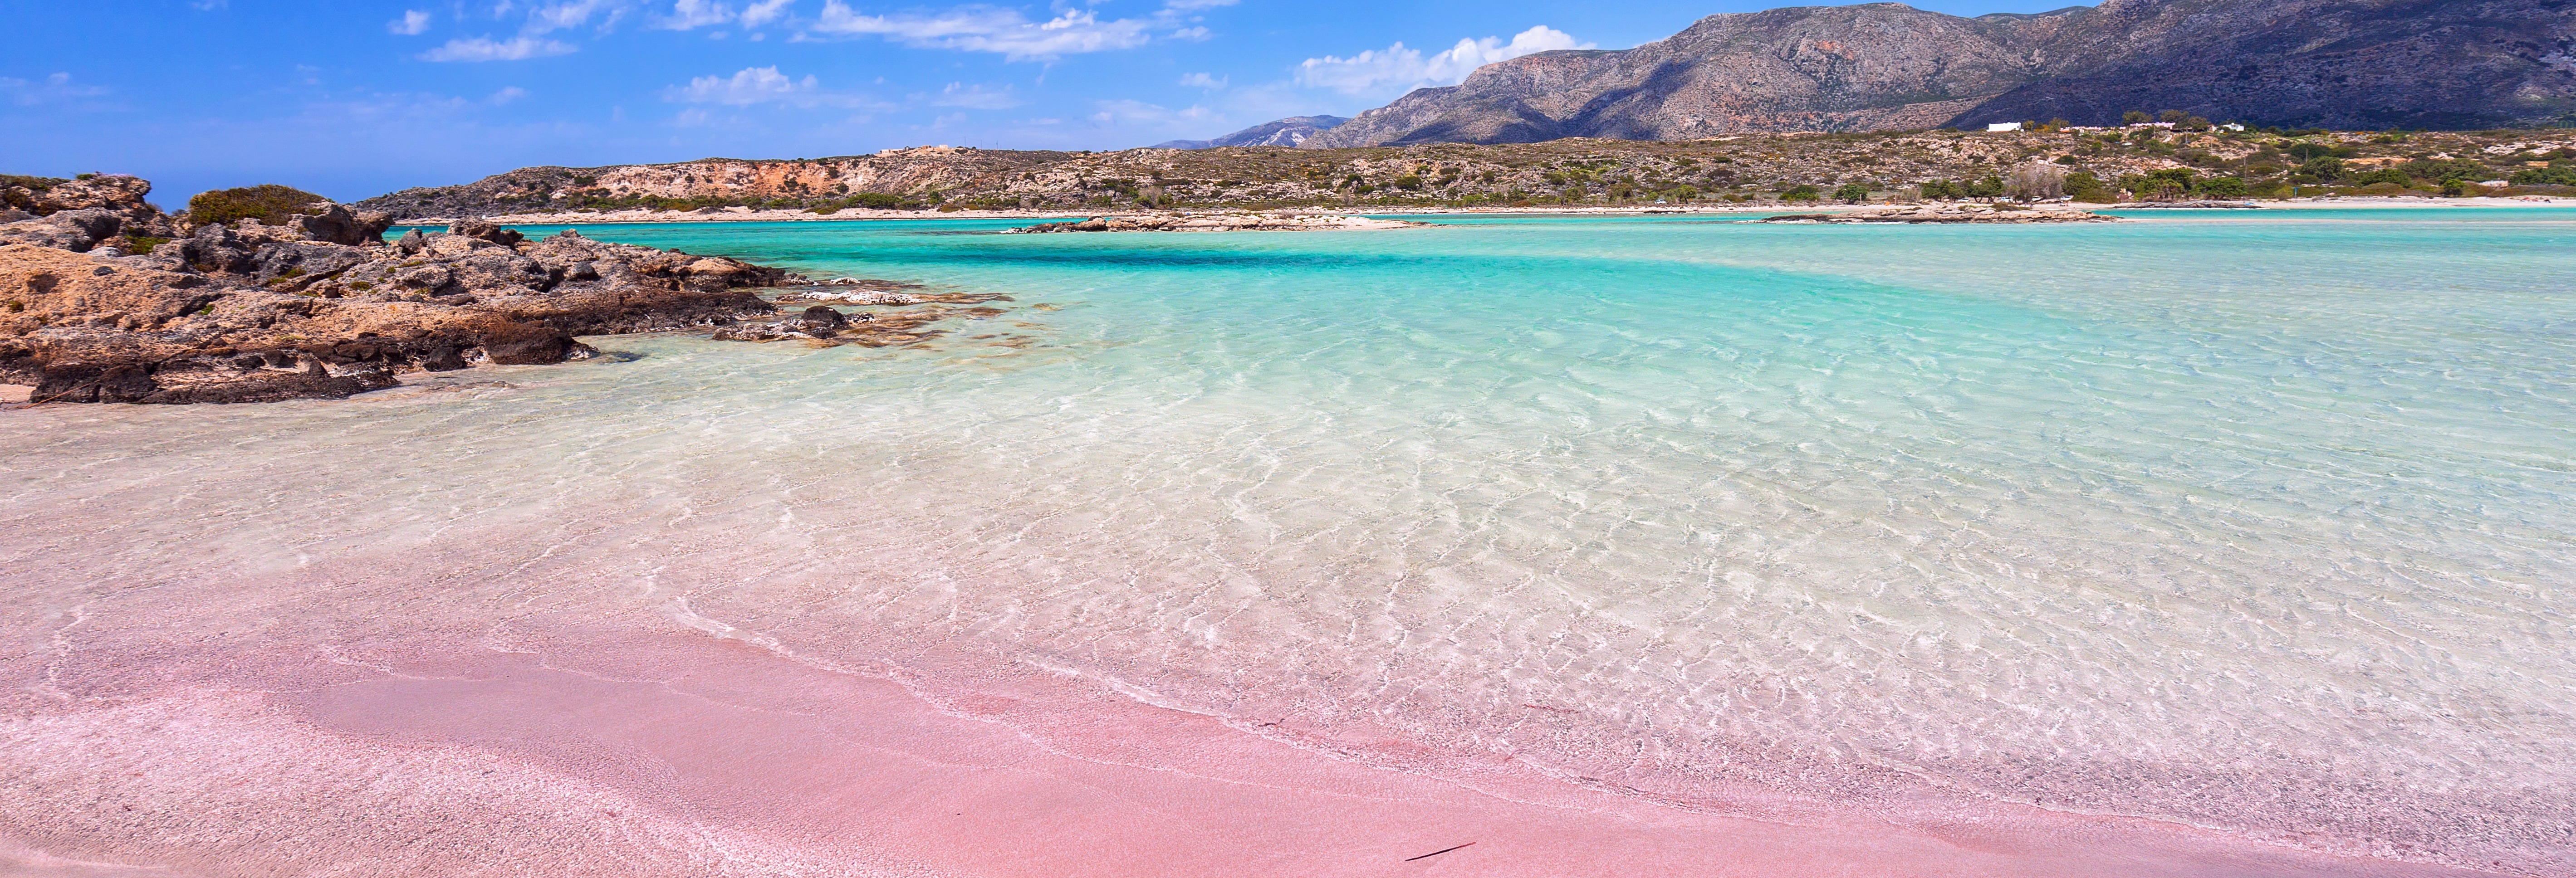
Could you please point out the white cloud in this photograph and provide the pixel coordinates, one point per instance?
(413, 23)
(1192, 34)
(690, 14)
(976, 97)
(1397, 69)
(760, 85)
(485, 49)
(987, 29)
(208, 5)
(571, 14)
(764, 12)
(1202, 80)
(52, 88)
(1190, 5)
(507, 94)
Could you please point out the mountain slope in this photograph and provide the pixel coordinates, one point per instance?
(1290, 131)
(2347, 63)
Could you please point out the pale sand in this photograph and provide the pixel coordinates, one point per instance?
(604, 750)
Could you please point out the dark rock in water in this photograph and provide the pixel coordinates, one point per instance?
(520, 345)
(823, 317)
(442, 358)
(486, 230)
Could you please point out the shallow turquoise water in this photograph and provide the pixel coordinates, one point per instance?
(2255, 521)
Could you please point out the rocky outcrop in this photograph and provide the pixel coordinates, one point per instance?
(254, 313)
(1223, 222)
(80, 214)
(2458, 64)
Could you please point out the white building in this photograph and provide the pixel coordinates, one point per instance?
(2003, 126)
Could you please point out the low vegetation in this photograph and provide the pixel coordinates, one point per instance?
(2175, 159)
(270, 203)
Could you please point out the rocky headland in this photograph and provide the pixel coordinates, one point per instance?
(97, 307)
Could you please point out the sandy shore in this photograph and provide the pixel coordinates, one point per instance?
(739, 214)
(687, 747)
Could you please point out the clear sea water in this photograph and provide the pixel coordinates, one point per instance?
(2256, 521)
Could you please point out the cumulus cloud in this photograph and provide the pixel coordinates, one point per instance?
(1202, 80)
(1397, 69)
(989, 29)
(691, 14)
(413, 23)
(760, 85)
(764, 12)
(487, 49)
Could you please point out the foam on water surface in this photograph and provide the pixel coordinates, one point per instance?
(2253, 527)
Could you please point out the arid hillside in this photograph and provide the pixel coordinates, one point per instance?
(2140, 162)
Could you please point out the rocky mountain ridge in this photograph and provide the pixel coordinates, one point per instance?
(1291, 131)
(2346, 64)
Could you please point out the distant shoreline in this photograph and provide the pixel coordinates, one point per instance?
(741, 215)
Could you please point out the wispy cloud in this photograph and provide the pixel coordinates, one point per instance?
(413, 23)
(487, 49)
(551, 17)
(51, 89)
(976, 97)
(1202, 80)
(1001, 31)
(1397, 69)
(761, 85)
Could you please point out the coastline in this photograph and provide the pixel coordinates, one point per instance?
(735, 215)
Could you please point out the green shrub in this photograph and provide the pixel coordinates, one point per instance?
(878, 200)
(268, 203)
(2222, 187)
(1409, 181)
(1852, 193)
(2554, 175)
(143, 243)
(1802, 192)
(2383, 175)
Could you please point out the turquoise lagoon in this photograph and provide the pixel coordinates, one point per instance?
(2258, 522)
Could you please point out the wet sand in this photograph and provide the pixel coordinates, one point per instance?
(602, 750)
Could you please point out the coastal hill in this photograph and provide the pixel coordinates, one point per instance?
(2189, 158)
(2345, 64)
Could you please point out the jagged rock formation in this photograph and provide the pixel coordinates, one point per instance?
(74, 214)
(254, 313)
(1291, 131)
(2348, 64)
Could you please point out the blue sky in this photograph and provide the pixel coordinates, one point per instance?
(353, 99)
